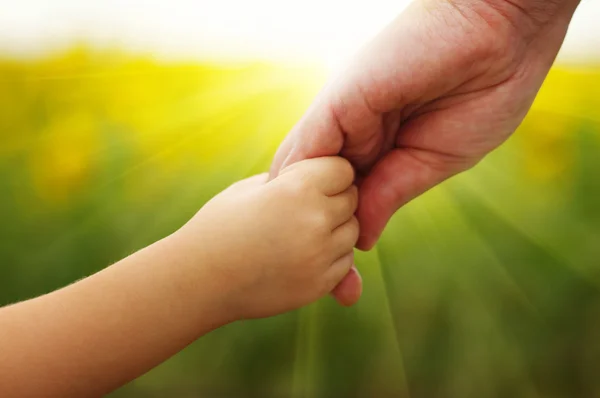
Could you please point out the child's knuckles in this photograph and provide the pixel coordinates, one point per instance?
(352, 200)
(347, 237)
(346, 170)
(296, 188)
(340, 168)
(292, 168)
(319, 286)
(354, 223)
(354, 197)
(328, 283)
(305, 286)
(319, 222)
(323, 288)
(355, 229)
(314, 254)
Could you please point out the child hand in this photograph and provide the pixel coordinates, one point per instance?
(277, 246)
(257, 249)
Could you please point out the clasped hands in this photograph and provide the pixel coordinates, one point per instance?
(442, 86)
(438, 89)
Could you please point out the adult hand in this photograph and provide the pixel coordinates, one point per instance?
(438, 89)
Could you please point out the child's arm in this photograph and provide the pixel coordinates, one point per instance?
(256, 250)
(94, 336)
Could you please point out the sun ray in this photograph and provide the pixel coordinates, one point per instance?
(208, 122)
(394, 321)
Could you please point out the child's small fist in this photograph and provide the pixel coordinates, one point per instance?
(277, 246)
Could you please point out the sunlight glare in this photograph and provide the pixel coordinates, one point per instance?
(319, 30)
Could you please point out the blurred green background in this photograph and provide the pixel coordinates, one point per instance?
(488, 286)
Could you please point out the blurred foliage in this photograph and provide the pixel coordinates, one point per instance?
(487, 286)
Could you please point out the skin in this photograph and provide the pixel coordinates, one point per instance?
(441, 87)
(258, 249)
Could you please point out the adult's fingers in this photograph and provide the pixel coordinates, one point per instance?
(402, 175)
(281, 155)
(316, 135)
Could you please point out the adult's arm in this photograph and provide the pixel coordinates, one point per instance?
(443, 85)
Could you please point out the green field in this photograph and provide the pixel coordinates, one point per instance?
(488, 286)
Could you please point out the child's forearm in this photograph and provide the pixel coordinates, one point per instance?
(94, 336)
(257, 249)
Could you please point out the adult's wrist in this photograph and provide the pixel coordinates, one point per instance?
(526, 18)
(537, 11)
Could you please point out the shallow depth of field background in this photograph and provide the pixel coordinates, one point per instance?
(488, 286)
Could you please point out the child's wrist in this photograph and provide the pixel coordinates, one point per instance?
(202, 277)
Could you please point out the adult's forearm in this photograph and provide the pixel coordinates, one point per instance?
(525, 15)
(537, 11)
